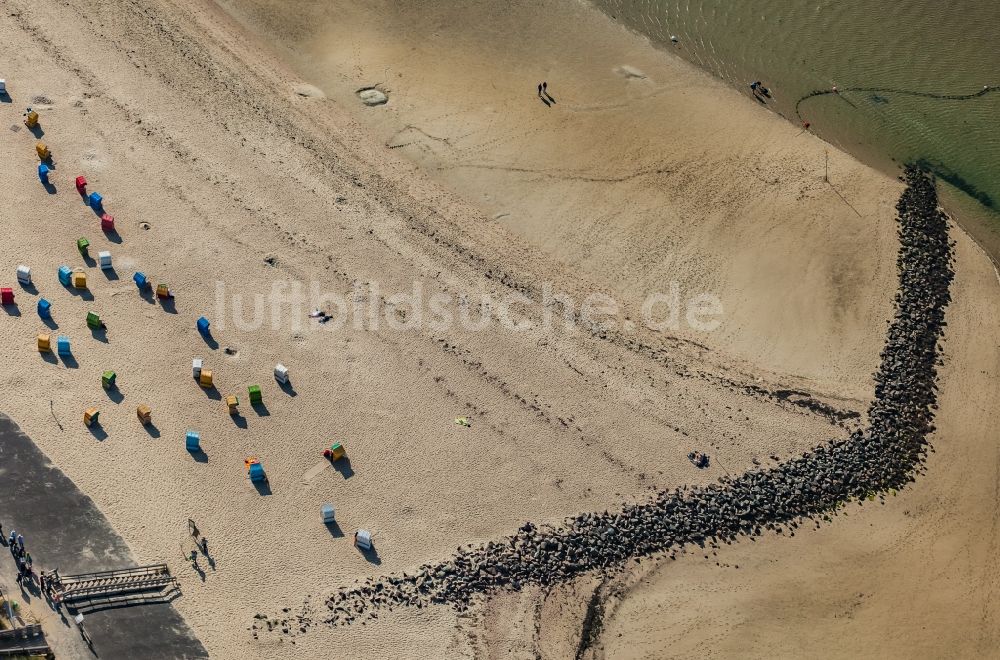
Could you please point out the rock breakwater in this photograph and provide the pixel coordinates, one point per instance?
(886, 455)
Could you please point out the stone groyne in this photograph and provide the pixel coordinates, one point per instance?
(885, 456)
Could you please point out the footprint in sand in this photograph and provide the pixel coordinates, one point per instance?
(630, 72)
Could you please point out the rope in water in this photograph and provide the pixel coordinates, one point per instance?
(987, 89)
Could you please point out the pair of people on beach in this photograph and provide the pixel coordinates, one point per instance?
(757, 87)
(543, 94)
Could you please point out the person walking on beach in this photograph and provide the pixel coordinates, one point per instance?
(539, 90)
(204, 545)
(20, 541)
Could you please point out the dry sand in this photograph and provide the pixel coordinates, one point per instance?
(184, 121)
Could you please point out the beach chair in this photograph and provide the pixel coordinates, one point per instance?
(192, 441)
(107, 222)
(140, 281)
(335, 452)
(232, 403)
(96, 201)
(24, 275)
(31, 119)
(90, 416)
(255, 470)
(163, 291)
(42, 151)
(62, 345)
(79, 279)
(202, 324)
(144, 414)
(255, 395)
(44, 343)
(6, 296)
(82, 244)
(65, 275)
(205, 378)
(108, 380)
(327, 514)
(94, 321)
(281, 374)
(363, 539)
(104, 260)
(81, 186)
(44, 308)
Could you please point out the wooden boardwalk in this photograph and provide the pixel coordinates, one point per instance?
(89, 592)
(26, 640)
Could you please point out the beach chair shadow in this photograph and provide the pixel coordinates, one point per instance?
(287, 388)
(212, 393)
(152, 430)
(37, 131)
(148, 295)
(263, 487)
(239, 420)
(50, 188)
(168, 305)
(113, 236)
(5, 98)
(89, 261)
(50, 324)
(50, 358)
(82, 294)
(343, 466)
(199, 455)
(115, 395)
(261, 409)
(110, 273)
(371, 555)
(29, 288)
(98, 431)
(69, 361)
(100, 334)
(334, 529)
(12, 310)
(210, 340)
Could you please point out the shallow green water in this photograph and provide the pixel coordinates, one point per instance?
(797, 47)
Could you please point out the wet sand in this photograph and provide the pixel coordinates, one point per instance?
(188, 124)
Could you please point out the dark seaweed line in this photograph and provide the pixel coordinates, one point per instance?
(885, 456)
(888, 90)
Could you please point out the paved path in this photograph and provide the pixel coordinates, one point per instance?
(63, 528)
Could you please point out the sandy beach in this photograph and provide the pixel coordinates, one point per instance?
(238, 170)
